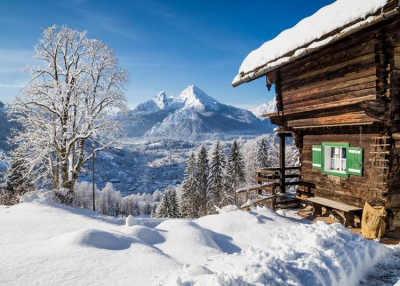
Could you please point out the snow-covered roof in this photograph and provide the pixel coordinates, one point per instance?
(326, 26)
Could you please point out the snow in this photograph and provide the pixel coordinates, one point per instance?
(308, 31)
(265, 108)
(160, 102)
(192, 115)
(194, 98)
(43, 243)
(257, 200)
(252, 187)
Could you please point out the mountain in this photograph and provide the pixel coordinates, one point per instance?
(192, 115)
(264, 108)
(5, 128)
(160, 102)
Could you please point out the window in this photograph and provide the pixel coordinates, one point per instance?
(337, 159)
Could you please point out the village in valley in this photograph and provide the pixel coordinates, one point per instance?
(139, 145)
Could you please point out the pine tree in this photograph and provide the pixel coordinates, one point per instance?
(173, 211)
(189, 189)
(262, 154)
(17, 182)
(235, 173)
(202, 178)
(164, 207)
(217, 166)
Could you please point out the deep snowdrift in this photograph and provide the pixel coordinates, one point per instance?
(46, 244)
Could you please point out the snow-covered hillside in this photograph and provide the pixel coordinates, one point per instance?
(193, 115)
(47, 244)
(264, 108)
(5, 128)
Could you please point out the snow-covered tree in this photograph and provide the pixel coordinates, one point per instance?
(83, 195)
(173, 211)
(262, 154)
(217, 166)
(202, 178)
(235, 173)
(66, 105)
(249, 153)
(17, 181)
(110, 201)
(189, 189)
(163, 210)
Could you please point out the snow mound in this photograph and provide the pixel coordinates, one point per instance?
(94, 238)
(145, 234)
(197, 270)
(186, 237)
(131, 221)
(226, 209)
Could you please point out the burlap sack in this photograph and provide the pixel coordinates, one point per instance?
(373, 223)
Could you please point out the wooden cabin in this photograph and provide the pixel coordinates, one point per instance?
(338, 95)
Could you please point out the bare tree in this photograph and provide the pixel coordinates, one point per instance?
(67, 104)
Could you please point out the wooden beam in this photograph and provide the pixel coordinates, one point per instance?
(278, 91)
(348, 118)
(331, 104)
(282, 147)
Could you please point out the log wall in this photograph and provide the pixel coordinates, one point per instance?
(353, 190)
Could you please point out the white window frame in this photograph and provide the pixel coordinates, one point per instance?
(328, 159)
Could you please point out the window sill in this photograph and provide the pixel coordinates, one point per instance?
(336, 173)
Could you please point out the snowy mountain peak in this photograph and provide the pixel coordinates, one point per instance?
(161, 100)
(264, 108)
(192, 115)
(194, 98)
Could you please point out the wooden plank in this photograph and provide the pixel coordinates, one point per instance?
(333, 204)
(256, 187)
(330, 105)
(268, 170)
(348, 118)
(341, 95)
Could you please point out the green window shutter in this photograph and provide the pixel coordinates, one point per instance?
(317, 157)
(354, 160)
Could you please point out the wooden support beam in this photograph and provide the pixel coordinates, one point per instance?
(282, 151)
(278, 91)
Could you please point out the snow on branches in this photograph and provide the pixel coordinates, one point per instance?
(66, 105)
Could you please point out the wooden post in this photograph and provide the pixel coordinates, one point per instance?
(282, 146)
(273, 203)
(94, 199)
(278, 92)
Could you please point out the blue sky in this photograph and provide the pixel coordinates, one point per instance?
(165, 45)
